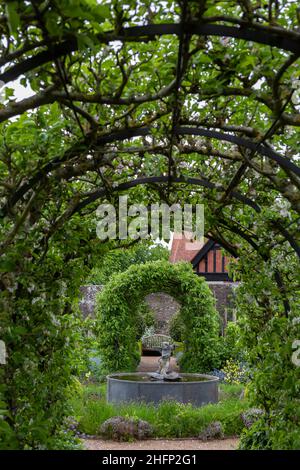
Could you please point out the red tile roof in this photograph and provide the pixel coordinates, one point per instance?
(183, 249)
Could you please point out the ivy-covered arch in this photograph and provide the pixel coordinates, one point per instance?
(116, 315)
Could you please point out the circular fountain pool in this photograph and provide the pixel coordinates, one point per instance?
(198, 389)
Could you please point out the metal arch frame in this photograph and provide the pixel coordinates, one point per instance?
(151, 32)
(193, 181)
(144, 131)
(165, 179)
(248, 32)
(139, 132)
(183, 130)
(247, 143)
(206, 29)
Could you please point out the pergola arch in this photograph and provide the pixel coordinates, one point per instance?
(248, 143)
(278, 37)
(94, 196)
(208, 122)
(127, 134)
(165, 179)
(225, 26)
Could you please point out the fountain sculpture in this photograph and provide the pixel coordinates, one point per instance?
(163, 372)
(153, 387)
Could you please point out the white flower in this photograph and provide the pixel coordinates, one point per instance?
(2, 352)
(224, 40)
(284, 213)
(296, 96)
(54, 320)
(2, 92)
(13, 288)
(295, 83)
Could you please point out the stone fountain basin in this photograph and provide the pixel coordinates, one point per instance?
(197, 389)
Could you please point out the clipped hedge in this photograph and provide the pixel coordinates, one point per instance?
(117, 304)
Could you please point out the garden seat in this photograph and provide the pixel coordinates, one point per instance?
(154, 342)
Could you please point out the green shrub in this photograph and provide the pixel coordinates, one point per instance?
(231, 346)
(116, 322)
(119, 260)
(277, 431)
(235, 372)
(145, 319)
(176, 327)
(257, 437)
(268, 335)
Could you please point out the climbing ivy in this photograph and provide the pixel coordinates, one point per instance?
(117, 305)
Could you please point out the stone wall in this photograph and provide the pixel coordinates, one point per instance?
(164, 306)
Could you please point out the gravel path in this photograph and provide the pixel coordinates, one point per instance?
(162, 444)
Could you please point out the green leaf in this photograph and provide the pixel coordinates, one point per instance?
(52, 24)
(13, 16)
(7, 265)
(101, 11)
(9, 92)
(84, 41)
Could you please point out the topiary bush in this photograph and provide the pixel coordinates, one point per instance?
(117, 304)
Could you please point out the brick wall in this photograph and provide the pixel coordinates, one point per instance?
(164, 307)
(224, 295)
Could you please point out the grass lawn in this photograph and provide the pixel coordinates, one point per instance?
(169, 419)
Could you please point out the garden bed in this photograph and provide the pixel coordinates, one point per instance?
(169, 419)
